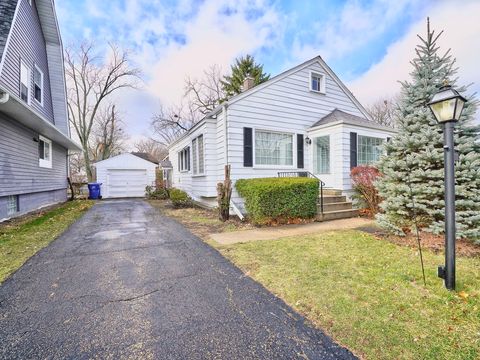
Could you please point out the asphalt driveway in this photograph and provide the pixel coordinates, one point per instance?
(127, 282)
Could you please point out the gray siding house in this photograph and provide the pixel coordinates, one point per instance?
(34, 132)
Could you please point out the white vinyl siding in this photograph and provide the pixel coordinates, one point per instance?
(369, 149)
(321, 155)
(272, 148)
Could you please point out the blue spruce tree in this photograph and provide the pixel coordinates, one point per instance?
(414, 165)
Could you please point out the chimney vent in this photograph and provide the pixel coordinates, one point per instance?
(248, 83)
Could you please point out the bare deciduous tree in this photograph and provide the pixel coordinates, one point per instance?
(206, 93)
(151, 147)
(89, 83)
(172, 122)
(108, 135)
(383, 112)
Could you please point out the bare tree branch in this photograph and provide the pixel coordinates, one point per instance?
(89, 82)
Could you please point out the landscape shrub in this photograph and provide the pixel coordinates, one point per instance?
(279, 200)
(180, 198)
(159, 193)
(366, 193)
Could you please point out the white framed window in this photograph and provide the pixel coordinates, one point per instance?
(317, 82)
(321, 155)
(369, 149)
(184, 159)
(198, 156)
(38, 85)
(24, 82)
(273, 148)
(13, 205)
(44, 152)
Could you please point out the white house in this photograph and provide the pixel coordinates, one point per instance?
(304, 119)
(125, 175)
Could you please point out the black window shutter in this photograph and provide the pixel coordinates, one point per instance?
(353, 150)
(247, 147)
(388, 139)
(300, 156)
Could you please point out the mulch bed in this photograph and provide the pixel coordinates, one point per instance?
(435, 243)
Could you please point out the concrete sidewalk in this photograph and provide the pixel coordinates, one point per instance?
(289, 230)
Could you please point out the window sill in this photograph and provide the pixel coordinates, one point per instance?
(199, 175)
(44, 164)
(275, 167)
(38, 102)
(318, 92)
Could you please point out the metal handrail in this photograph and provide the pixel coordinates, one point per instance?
(307, 174)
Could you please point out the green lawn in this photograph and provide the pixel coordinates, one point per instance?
(23, 238)
(368, 293)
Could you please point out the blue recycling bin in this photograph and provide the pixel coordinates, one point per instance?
(94, 191)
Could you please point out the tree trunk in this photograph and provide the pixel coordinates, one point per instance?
(224, 194)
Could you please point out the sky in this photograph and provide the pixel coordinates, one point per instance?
(368, 43)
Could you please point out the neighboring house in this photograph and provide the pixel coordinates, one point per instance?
(167, 172)
(125, 175)
(34, 130)
(304, 119)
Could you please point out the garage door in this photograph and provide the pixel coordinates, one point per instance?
(126, 183)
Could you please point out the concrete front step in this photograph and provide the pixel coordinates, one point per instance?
(329, 199)
(330, 191)
(344, 205)
(338, 214)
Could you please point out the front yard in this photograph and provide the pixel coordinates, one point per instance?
(367, 293)
(22, 238)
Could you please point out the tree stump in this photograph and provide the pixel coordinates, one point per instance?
(224, 193)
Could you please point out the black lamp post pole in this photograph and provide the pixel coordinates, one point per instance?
(449, 155)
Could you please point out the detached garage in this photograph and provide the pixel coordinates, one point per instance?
(125, 175)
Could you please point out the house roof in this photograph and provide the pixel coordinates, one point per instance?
(274, 79)
(145, 156)
(166, 164)
(7, 10)
(124, 158)
(339, 116)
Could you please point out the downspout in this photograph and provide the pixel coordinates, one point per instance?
(4, 97)
(225, 122)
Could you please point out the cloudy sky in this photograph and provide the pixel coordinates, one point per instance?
(367, 43)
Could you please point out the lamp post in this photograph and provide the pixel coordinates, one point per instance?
(447, 105)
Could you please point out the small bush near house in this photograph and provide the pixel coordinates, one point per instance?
(363, 180)
(158, 193)
(180, 198)
(278, 200)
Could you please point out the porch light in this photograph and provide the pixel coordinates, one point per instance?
(447, 105)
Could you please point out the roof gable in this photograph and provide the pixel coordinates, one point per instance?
(338, 116)
(7, 12)
(124, 158)
(283, 75)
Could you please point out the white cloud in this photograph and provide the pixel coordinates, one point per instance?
(212, 38)
(461, 30)
(352, 28)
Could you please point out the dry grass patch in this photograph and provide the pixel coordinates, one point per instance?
(21, 238)
(201, 222)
